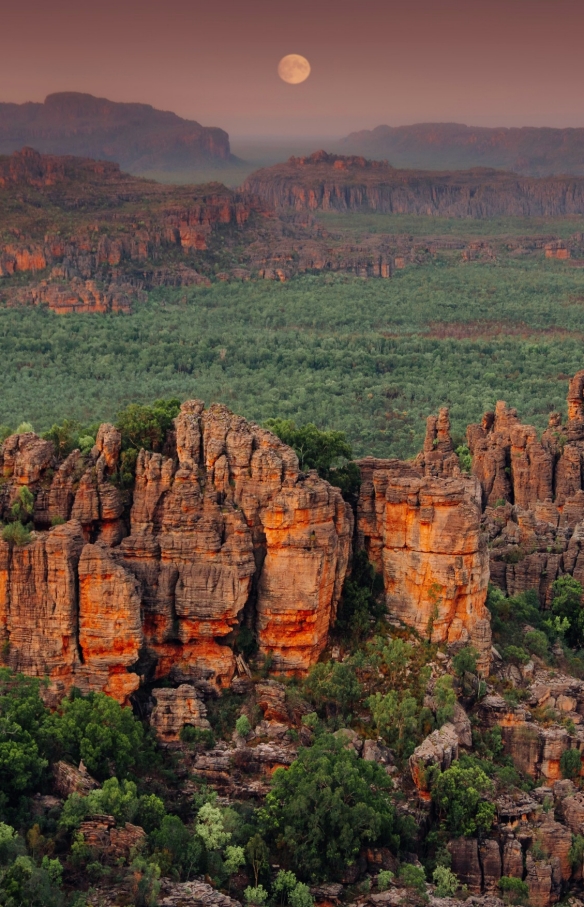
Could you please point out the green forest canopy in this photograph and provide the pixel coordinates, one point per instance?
(372, 358)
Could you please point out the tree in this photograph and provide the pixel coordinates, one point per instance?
(460, 794)
(361, 603)
(146, 426)
(567, 604)
(326, 806)
(176, 847)
(333, 687)
(98, 730)
(396, 717)
(22, 716)
(257, 854)
(210, 827)
(325, 451)
(571, 764)
(445, 699)
(446, 882)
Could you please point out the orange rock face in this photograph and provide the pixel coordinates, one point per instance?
(226, 530)
(424, 535)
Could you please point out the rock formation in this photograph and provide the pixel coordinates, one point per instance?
(420, 525)
(137, 136)
(226, 531)
(533, 495)
(331, 182)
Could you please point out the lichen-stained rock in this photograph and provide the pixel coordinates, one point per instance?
(176, 708)
(110, 629)
(423, 534)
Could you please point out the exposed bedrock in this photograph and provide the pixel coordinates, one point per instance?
(226, 531)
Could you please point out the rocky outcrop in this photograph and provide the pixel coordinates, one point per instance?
(533, 495)
(440, 748)
(226, 530)
(137, 136)
(175, 708)
(422, 531)
(331, 182)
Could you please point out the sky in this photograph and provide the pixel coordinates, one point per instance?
(480, 62)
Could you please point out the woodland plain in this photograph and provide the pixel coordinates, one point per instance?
(371, 357)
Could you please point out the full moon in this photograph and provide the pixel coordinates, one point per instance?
(294, 69)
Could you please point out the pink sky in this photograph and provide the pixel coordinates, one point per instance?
(481, 62)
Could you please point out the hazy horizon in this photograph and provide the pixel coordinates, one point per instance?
(509, 63)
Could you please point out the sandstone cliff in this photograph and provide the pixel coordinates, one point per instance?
(424, 536)
(532, 494)
(331, 182)
(224, 532)
(137, 136)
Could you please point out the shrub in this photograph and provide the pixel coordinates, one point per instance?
(255, 897)
(384, 879)
(577, 851)
(300, 896)
(460, 794)
(570, 764)
(413, 877)
(445, 881)
(203, 737)
(242, 726)
(16, 534)
(537, 643)
(516, 655)
(516, 890)
(464, 458)
(465, 661)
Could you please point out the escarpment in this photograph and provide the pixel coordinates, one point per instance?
(533, 495)
(332, 182)
(223, 532)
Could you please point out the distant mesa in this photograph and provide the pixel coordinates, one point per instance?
(530, 150)
(136, 136)
(333, 182)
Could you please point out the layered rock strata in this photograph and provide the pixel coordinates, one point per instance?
(331, 182)
(225, 530)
